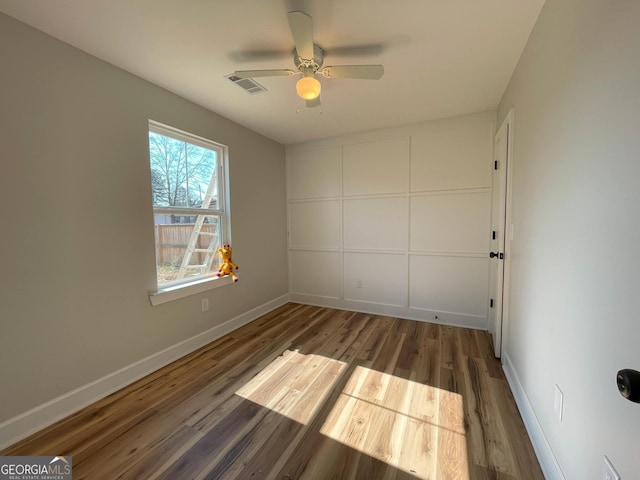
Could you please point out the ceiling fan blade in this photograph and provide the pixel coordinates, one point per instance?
(356, 50)
(313, 103)
(368, 72)
(281, 72)
(301, 27)
(259, 54)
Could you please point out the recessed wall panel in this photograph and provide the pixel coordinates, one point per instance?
(451, 222)
(452, 156)
(315, 273)
(376, 223)
(314, 173)
(449, 284)
(376, 278)
(314, 224)
(376, 167)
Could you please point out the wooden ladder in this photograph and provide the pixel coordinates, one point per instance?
(214, 237)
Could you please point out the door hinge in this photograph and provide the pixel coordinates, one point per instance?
(495, 165)
(491, 303)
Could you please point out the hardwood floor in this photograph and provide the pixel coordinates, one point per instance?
(308, 392)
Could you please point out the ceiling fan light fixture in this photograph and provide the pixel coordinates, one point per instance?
(308, 88)
(309, 60)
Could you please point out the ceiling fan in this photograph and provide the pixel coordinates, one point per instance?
(308, 58)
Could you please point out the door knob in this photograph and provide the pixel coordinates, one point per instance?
(629, 384)
(496, 254)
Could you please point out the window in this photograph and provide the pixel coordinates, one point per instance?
(190, 207)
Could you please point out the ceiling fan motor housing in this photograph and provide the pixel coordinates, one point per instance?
(305, 63)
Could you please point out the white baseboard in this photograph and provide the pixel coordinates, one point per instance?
(433, 316)
(31, 421)
(548, 462)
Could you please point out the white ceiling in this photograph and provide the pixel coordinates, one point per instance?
(441, 57)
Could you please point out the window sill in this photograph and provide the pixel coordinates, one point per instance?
(169, 294)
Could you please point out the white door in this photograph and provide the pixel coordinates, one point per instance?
(497, 256)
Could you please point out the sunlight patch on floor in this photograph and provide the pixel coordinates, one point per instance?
(413, 427)
(408, 425)
(294, 385)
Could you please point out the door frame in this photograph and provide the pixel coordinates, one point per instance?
(501, 331)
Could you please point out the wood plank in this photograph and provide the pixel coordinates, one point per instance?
(149, 463)
(216, 444)
(485, 347)
(483, 473)
(452, 461)
(420, 446)
(477, 449)
(135, 442)
(308, 392)
(524, 458)
(468, 343)
(374, 344)
(498, 451)
(244, 449)
(450, 348)
(294, 462)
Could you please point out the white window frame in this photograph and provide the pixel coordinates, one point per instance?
(190, 286)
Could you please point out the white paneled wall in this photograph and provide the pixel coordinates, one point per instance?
(375, 278)
(315, 273)
(453, 222)
(445, 157)
(434, 278)
(315, 174)
(375, 167)
(315, 224)
(375, 223)
(395, 222)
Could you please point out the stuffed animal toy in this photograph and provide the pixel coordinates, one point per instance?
(227, 266)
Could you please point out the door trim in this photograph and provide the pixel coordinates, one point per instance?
(508, 225)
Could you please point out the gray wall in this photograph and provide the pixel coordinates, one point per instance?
(77, 241)
(575, 291)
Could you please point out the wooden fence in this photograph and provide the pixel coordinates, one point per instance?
(172, 243)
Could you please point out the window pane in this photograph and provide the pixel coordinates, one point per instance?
(186, 246)
(201, 165)
(182, 174)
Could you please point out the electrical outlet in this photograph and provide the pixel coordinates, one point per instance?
(205, 304)
(608, 472)
(558, 402)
